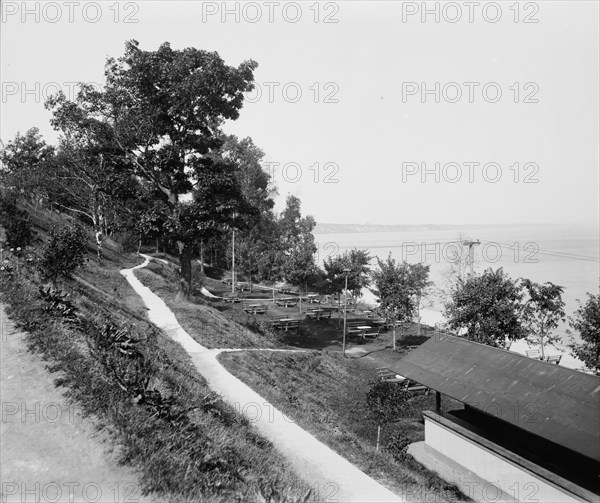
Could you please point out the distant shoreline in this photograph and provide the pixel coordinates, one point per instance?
(331, 228)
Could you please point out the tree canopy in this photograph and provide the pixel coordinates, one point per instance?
(160, 112)
(488, 309)
(586, 321)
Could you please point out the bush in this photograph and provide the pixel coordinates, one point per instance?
(17, 226)
(397, 446)
(387, 401)
(64, 254)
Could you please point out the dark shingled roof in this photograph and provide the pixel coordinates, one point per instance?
(556, 403)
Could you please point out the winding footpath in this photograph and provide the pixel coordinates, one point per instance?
(332, 476)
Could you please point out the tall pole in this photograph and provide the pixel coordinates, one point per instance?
(233, 262)
(471, 245)
(345, 310)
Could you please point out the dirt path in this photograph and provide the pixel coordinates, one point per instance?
(47, 451)
(333, 477)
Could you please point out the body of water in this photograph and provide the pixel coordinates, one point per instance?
(566, 256)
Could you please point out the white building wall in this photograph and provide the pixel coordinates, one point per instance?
(500, 472)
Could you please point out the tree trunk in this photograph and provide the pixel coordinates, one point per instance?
(419, 315)
(202, 256)
(185, 260)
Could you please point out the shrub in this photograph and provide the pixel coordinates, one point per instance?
(397, 446)
(387, 401)
(64, 254)
(17, 226)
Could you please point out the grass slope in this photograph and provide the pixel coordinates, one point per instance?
(325, 394)
(209, 453)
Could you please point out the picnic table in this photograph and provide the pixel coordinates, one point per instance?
(286, 324)
(233, 300)
(317, 314)
(363, 329)
(255, 308)
(286, 290)
(288, 302)
(356, 328)
(313, 298)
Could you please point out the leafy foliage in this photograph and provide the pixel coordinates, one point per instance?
(586, 321)
(398, 287)
(17, 226)
(64, 254)
(357, 261)
(25, 160)
(298, 245)
(58, 304)
(543, 311)
(488, 309)
(386, 401)
(397, 446)
(161, 112)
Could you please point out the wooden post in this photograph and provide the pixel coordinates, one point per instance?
(233, 263)
(438, 401)
(378, 435)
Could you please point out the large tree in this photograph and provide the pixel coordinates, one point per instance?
(298, 245)
(586, 321)
(256, 246)
(488, 309)
(164, 110)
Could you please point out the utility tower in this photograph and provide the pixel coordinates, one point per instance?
(471, 245)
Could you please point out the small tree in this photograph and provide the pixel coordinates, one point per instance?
(419, 282)
(334, 277)
(543, 311)
(586, 321)
(395, 291)
(64, 254)
(386, 402)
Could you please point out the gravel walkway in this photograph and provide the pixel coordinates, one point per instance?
(334, 478)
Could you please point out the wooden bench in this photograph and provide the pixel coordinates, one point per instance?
(372, 335)
(388, 375)
(352, 328)
(533, 353)
(233, 300)
(385, 374)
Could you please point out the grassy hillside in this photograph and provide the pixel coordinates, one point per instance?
(321, 391)
(185, 443)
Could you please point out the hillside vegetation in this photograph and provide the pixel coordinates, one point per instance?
(185, 443)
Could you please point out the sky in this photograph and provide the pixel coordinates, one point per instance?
(371, 112)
